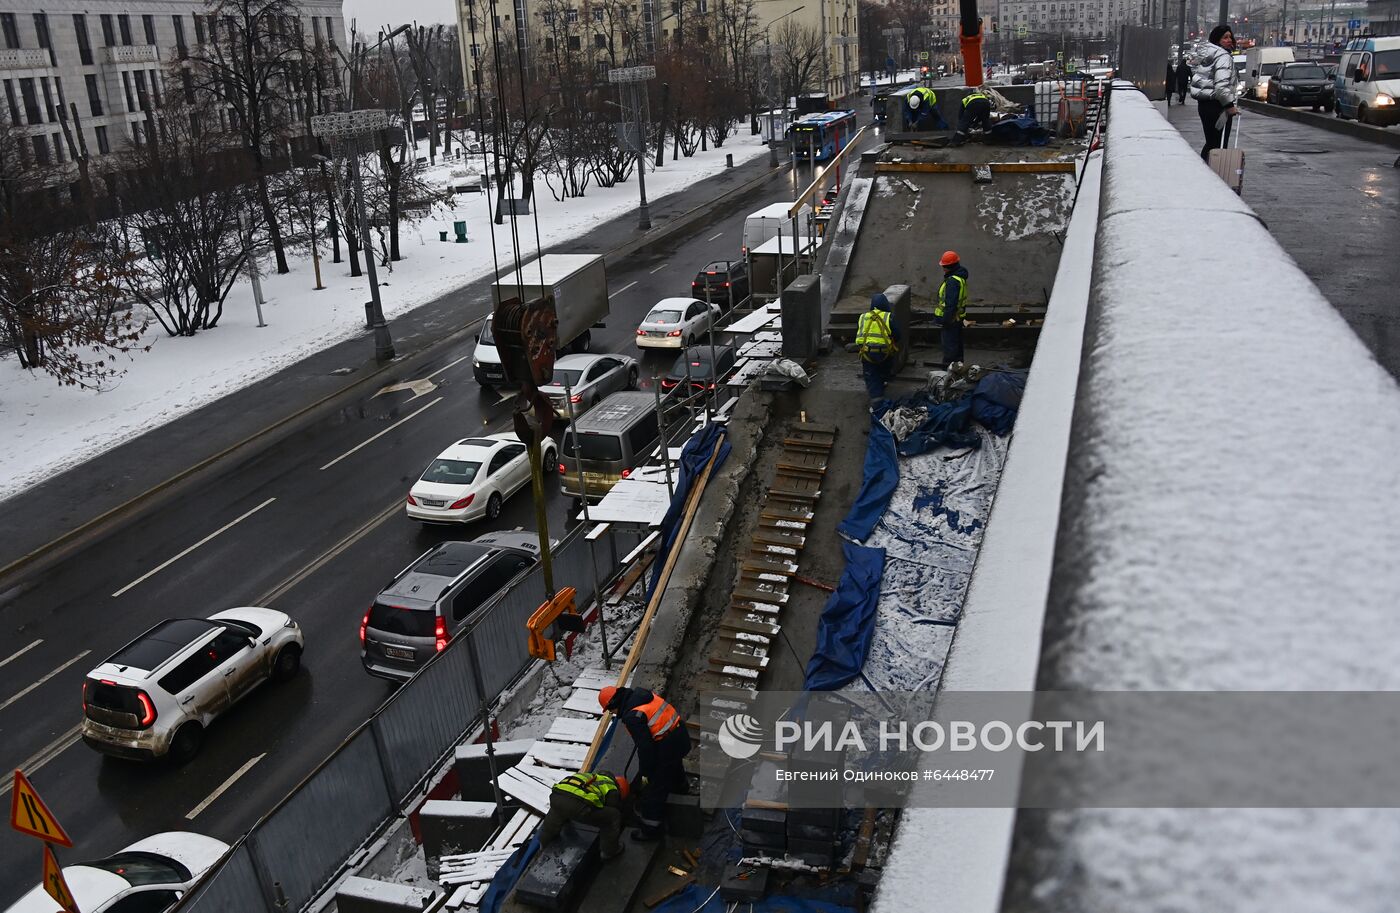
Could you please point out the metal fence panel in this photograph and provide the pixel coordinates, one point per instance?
(233, 886)
(426, 718)
(337, 809)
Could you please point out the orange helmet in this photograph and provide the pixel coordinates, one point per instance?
(623, 787)
(949, 258)
(605, 696)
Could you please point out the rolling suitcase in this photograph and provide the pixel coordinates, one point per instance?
(1228, 162)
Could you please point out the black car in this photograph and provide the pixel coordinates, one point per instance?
(701, 374)
(1299, 84)
(723, 282)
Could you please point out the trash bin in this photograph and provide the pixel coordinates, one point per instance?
(442, 235)
(461, 229)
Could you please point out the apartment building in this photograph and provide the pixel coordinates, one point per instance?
(116, 62)
(1074, 18)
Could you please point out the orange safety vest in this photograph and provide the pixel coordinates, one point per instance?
(661, 716)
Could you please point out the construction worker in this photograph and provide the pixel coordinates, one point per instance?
(662, 743)
(877, 341)
(596, 799)
(976, 112)
(923, 110)
(951, 308)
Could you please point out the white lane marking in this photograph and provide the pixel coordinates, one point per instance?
(659, 268)
(21, 694)
(20, 652)
(623, 289)
(507, 396)
(713, 236)
(380, 434)
(46, 754)
(165, 564)
(285, 586)
(446, 366)
(209, 800)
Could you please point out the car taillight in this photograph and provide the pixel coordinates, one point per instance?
(674, 333)
(562, 469)
(667, 384)
(726, 285)
(411, 501)
(576, 398)
(84, 697)
(712, 386)
(641, 332)
(440, 633)
(364, 623)
(627, 473)
(148, 710)
(464, 502)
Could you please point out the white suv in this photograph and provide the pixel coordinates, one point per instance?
(153, 697)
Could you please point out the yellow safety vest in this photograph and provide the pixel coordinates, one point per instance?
(873, 334)
(962, 297)
(592, 788)
(969, 98)
(929, 97)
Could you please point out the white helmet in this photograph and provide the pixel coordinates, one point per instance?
(913, 99)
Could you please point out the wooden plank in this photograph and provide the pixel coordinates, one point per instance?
(670, 892)
(818, 427)
(730, 658)
(781, 511)
(758, 640)
(774, 537)
(862, 850)
(629, 579)
(509, 834)
(584, 701)
(761, 563)
(768, 578)
(556, 754)
(747, 623)
(759, 596)
(754, 607)
(566, 729)
(641, 547)
(525, 788)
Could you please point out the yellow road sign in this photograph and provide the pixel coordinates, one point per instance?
(54, 884)
(29, 815)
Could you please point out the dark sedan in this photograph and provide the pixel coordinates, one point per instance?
(1300, 84)
(694, 364)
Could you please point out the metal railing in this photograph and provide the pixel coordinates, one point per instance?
(307, 840)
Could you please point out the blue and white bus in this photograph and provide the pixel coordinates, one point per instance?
(820, 136)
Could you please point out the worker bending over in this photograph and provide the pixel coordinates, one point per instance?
(922, 113)
(951, 308)
(662, 743)
(976, 113)
(596, 799)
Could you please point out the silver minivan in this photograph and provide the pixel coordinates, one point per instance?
(607, 442)
(427, 603)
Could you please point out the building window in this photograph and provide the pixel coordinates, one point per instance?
(7, 25)
(549, 44)
(148, 24)
(180, 47)
(109, 37)
(62, 103)
(41, 149)
(31, 102)
(600, 42)
(142, 98)
(58, 148)
(84, 47)
(126, 84)
(48, 98)
(10, 97)
(124, 26)
(41, 30)
(94, 97)
(316, 28)
(574, 43)
(597, 14)
(330, 31)
(155, 89)
(571, 16)
(198, 29)
(187, 81)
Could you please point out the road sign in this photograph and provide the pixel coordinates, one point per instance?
(54, 883)
(1059, 55)
(29, 815)
(1069, 67)
(1353, 24)
(923, 55)
(1022, 31)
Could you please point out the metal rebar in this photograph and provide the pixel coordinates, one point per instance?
(661, 429)
(588, 520)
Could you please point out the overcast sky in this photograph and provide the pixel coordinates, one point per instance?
(374, 13)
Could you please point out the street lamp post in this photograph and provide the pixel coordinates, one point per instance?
(353, 132)
(772, 78)
(632, 81)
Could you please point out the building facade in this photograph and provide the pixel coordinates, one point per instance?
(115, 61)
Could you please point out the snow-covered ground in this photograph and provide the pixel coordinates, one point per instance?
(45, 428)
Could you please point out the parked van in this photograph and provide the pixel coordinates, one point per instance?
(613, 438)
(1368, 81)
(770, 220)
(1260, 64)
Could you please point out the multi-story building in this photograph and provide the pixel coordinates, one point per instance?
(1074, 18)
(115, 61)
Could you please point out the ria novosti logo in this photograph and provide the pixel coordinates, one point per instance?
(741, 736)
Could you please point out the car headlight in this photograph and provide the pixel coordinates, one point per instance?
(1384, 101)
(475, 363)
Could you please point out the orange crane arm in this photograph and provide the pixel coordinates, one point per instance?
(971, 43)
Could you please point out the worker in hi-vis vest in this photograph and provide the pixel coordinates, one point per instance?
(662, 744)
(877, 341)
(597, 799)
(976, 112)
(950, 310)
(922, 112)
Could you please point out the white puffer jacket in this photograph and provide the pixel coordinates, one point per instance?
(1213, 75)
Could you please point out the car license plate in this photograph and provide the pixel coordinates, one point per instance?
(429, 502)
(661, 333)
(398, 653)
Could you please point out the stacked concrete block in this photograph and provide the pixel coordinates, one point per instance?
(561, 871)
(365, 895)
(451, 827)
(474, 769)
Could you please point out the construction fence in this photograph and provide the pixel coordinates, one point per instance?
(310, 838)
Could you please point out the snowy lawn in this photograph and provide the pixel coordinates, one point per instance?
(45, 428)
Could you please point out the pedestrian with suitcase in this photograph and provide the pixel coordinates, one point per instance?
(1213, 86)
(1228, 160)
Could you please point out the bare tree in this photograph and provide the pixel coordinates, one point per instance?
(797, 57)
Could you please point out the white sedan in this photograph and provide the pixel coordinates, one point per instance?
(473, 478)
(149, 875)
(675, 323)
(589, 378)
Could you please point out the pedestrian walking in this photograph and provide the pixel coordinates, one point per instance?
(662, 743)
(951, 308)
(596, 799)
(1213, 85)
(1171, 82)
(877, 341)
(1183, 81)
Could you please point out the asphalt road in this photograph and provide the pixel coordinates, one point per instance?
(1333, 202)
(323, 538)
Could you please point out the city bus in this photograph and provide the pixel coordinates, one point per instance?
(821, 136)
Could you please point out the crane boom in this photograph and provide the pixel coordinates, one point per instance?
(971, 43)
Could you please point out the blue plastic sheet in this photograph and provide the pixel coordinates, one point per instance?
(997, 399)
(693, 900)
(508, 874)
(694, 455)
(847, 621)
(947, 424)
(880, 477)
(1024, 130)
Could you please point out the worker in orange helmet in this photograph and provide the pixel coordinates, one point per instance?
(597, 799)
(662, 744)
(950, 310)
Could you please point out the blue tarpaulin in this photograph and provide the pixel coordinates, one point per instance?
(997, 399)
(694, 455)
(848, 620)
(1023, 130)
(947, 425)
(693, 900)
(880, 477)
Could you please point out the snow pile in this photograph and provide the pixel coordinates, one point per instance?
(45, 428)
(1024, 209)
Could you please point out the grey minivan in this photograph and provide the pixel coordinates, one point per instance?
(608, 442)
(427, 603)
